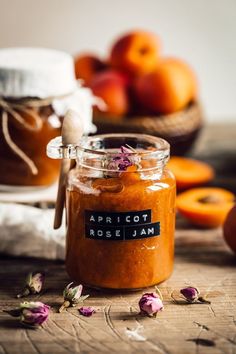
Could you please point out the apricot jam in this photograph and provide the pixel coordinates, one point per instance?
(120, 212)
(37, 88)
(13, 170)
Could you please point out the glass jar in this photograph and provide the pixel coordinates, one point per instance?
(14, 171)
(120, 207)
(37, 87)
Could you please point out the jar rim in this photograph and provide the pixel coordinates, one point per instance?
(57, 150)
(160, 144)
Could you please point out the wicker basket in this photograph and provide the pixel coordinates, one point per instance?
(180, 129)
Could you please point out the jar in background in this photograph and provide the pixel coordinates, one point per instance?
(37, 87)
(120, 212)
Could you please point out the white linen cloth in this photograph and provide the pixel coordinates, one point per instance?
(28, 231)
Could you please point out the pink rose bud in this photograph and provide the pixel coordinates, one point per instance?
(33, 284)
(122, 160)
(150, 304)
(190, 293)
(72, 293)
(34, 313)
(87, 311)
(72, 296)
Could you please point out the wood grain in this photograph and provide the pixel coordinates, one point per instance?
(202, 259)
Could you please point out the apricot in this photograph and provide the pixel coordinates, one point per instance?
(190, 172)
(87, 65)
(168, 89)
(136, 53)
(229, 229)
(206, 207)
(111, 86)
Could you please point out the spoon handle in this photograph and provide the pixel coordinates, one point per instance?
(71, 133)
(65, 167)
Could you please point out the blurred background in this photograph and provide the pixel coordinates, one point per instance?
(202, 32)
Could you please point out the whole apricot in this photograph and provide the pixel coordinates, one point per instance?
(87, 65)
(229, 229)
(168, 89)
(136, 53)
(111, 86)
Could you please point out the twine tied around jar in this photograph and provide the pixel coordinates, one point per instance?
(26, 106)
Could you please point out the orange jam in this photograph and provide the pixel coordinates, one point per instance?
(32, 142)
(120, 225)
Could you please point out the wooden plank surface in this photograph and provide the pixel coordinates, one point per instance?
(202, 259)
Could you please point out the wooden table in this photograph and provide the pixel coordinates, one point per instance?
(202, 259)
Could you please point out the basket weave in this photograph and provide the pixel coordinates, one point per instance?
(180, 128)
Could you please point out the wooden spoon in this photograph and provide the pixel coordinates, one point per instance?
(71, 133)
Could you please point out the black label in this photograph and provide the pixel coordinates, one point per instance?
(142, 231)
(132, 225)
(117, 219)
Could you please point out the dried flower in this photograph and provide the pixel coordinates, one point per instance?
(72, 295)
(150, 304)
(33, 285)
(32, 313)
(124, 159)
(87, 311)
(190, 293)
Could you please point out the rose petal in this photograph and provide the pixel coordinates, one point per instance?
(79, 290)
(87, 311)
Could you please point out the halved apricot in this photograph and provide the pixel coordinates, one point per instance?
(205, 206)
(190, 172)
(229, 229)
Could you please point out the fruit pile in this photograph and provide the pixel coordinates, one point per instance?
(136, 79)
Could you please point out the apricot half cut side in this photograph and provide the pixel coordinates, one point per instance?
(206, 207)
(190, 172)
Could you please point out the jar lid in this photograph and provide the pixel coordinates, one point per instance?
(35, 72)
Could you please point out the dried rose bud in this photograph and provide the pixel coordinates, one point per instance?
(150, 304)
(87, 311)
(190, 293)
(33, 285)
(125, 158)
(72, 295)
(32, 313)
